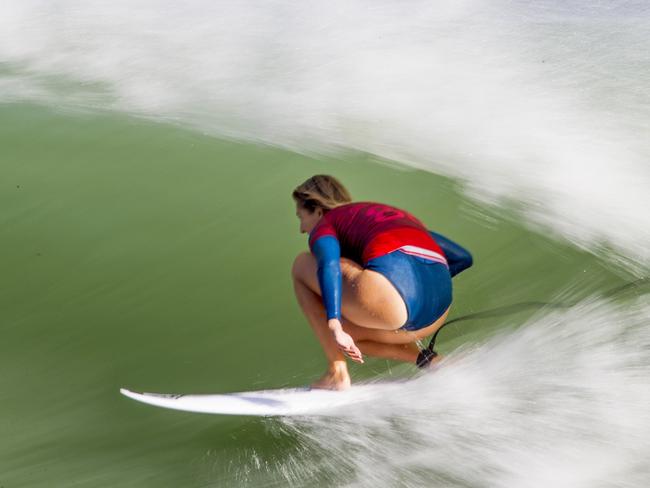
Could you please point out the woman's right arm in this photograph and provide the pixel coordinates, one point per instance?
(458, 258)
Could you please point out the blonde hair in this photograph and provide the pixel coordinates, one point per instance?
(321, 191)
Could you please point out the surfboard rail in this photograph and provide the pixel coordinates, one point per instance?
(265, 403)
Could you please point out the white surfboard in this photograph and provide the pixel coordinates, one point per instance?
(282, 402)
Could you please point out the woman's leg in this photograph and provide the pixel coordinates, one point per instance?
(336, 376)
(397, 352)
(371, 315)
(368, 298)
(400, 345)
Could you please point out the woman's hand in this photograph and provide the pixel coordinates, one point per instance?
(344, 340)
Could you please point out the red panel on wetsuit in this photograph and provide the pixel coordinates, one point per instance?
(366, 230)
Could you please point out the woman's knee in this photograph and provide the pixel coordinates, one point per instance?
(304, 263)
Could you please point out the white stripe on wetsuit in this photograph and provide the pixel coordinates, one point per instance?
(424, 253)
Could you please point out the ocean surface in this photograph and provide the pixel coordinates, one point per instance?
(148, 151)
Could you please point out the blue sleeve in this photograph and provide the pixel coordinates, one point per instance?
(328, 255)
(458, 258)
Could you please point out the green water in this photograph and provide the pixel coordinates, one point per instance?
(150, 257)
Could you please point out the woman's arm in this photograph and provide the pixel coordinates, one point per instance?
(328, 255)
(458, 258)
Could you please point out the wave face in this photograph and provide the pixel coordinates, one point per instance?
(560, 402)
(545, 104)
(541, 106)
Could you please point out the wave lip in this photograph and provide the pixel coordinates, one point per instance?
(544, 104)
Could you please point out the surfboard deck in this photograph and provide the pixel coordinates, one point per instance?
(267, 403)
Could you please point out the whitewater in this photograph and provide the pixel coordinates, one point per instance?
(544, 104)
(563, 401)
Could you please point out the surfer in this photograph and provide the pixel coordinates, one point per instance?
(375, 282)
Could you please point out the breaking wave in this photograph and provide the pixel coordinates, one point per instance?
(543, 105)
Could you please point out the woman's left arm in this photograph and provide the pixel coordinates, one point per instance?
(327, 251)
(328, 255)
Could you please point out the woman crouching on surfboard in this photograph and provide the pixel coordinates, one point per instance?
(376, 281)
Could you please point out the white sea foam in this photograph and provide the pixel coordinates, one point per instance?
(561, 402)
(543, 103)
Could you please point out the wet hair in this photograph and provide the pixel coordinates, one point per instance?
(321, 191)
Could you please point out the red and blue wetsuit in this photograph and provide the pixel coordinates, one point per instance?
(393, 242)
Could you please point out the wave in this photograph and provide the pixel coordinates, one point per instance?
(543, 106)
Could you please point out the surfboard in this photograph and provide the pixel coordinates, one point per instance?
(267, 403)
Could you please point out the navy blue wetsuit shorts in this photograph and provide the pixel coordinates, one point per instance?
(425, 285)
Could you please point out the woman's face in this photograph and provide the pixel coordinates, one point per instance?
(308, 220)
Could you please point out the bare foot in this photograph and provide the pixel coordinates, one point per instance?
(336, 378)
